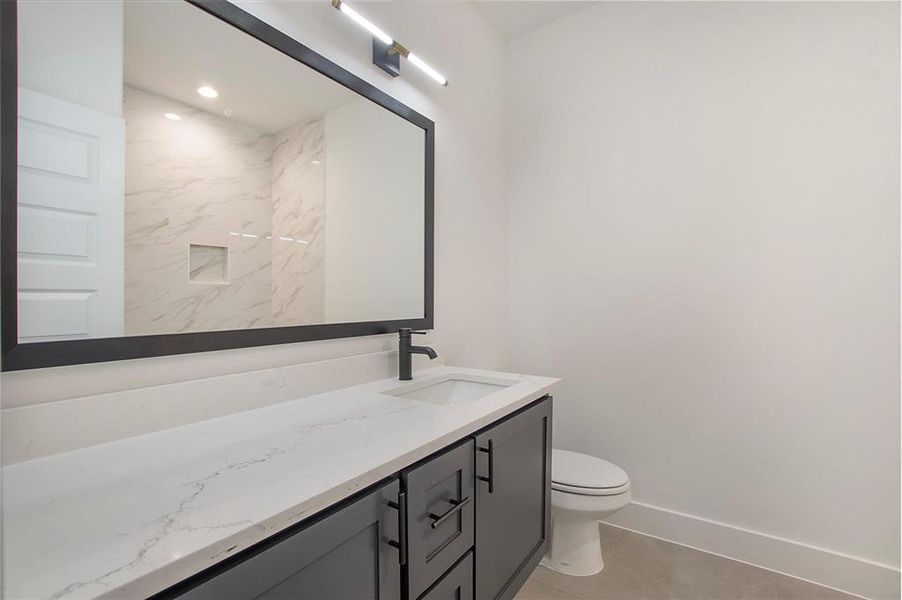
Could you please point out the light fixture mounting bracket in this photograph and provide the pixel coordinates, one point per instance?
(386, 58)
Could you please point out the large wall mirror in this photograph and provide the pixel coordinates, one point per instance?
(180, 176)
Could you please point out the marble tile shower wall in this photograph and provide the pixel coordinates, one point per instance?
(298, 198)
(193, 181)
(208, 180)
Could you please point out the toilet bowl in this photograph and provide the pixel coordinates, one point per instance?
(584, 490)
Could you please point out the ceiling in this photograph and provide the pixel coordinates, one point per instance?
(172, 48)
(514, 17)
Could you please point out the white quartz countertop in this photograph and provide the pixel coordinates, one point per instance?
(129, 518)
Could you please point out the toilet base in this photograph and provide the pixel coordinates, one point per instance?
(575, 548)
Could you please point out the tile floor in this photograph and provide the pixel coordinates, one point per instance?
(640, 567)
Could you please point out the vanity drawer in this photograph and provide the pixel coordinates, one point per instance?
(456, 584)
(440, 515)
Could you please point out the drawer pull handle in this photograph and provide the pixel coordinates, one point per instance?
(401, 542)
(457, 506)
(491, 478)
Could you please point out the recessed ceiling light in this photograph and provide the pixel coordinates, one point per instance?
(172, 116)
(207, 92)
(316, 163)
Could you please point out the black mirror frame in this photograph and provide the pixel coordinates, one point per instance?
(16, 356)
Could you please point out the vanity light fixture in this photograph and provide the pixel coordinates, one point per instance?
(438, 77)
(363, 22)
(207, 92)
(172, 116)
(387, 52)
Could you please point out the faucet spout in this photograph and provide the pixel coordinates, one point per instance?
(406, 351)
(424, 350)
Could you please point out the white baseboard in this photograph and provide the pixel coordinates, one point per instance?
(842, 572)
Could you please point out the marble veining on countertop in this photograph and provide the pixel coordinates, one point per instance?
(129, 518)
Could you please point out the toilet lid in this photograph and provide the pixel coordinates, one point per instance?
(573, 470)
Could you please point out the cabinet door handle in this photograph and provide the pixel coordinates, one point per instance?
(401, 542)
(456, 507)
(491, 478)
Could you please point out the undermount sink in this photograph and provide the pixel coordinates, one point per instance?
(452, 389)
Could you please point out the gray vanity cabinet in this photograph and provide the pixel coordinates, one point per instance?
(344, 555)
(457, 584)
(440, 520)
(470, 522)
(513, 501)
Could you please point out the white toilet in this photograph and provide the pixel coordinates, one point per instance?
(584, 490)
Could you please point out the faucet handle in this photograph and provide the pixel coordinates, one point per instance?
(408, 331)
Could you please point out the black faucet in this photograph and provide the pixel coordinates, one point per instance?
(405, 371)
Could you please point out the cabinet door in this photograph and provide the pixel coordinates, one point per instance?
(344, 555)
(456, 584)
(513, 500)
(440, 500)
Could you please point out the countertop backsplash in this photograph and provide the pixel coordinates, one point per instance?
(35, 431)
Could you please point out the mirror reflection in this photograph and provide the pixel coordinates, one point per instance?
(177, 175)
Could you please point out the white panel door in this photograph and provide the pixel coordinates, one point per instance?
(71, 210)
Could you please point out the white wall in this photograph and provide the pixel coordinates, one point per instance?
(471, 207)
(375, 177)
(705, 247)
(73, 51)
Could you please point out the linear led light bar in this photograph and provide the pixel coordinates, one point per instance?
(387, 51)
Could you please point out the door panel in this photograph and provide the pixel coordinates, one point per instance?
(456, 584)
(513, 519)
(440, 501)
(70, 220)
(345, 555)
(323, 577)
